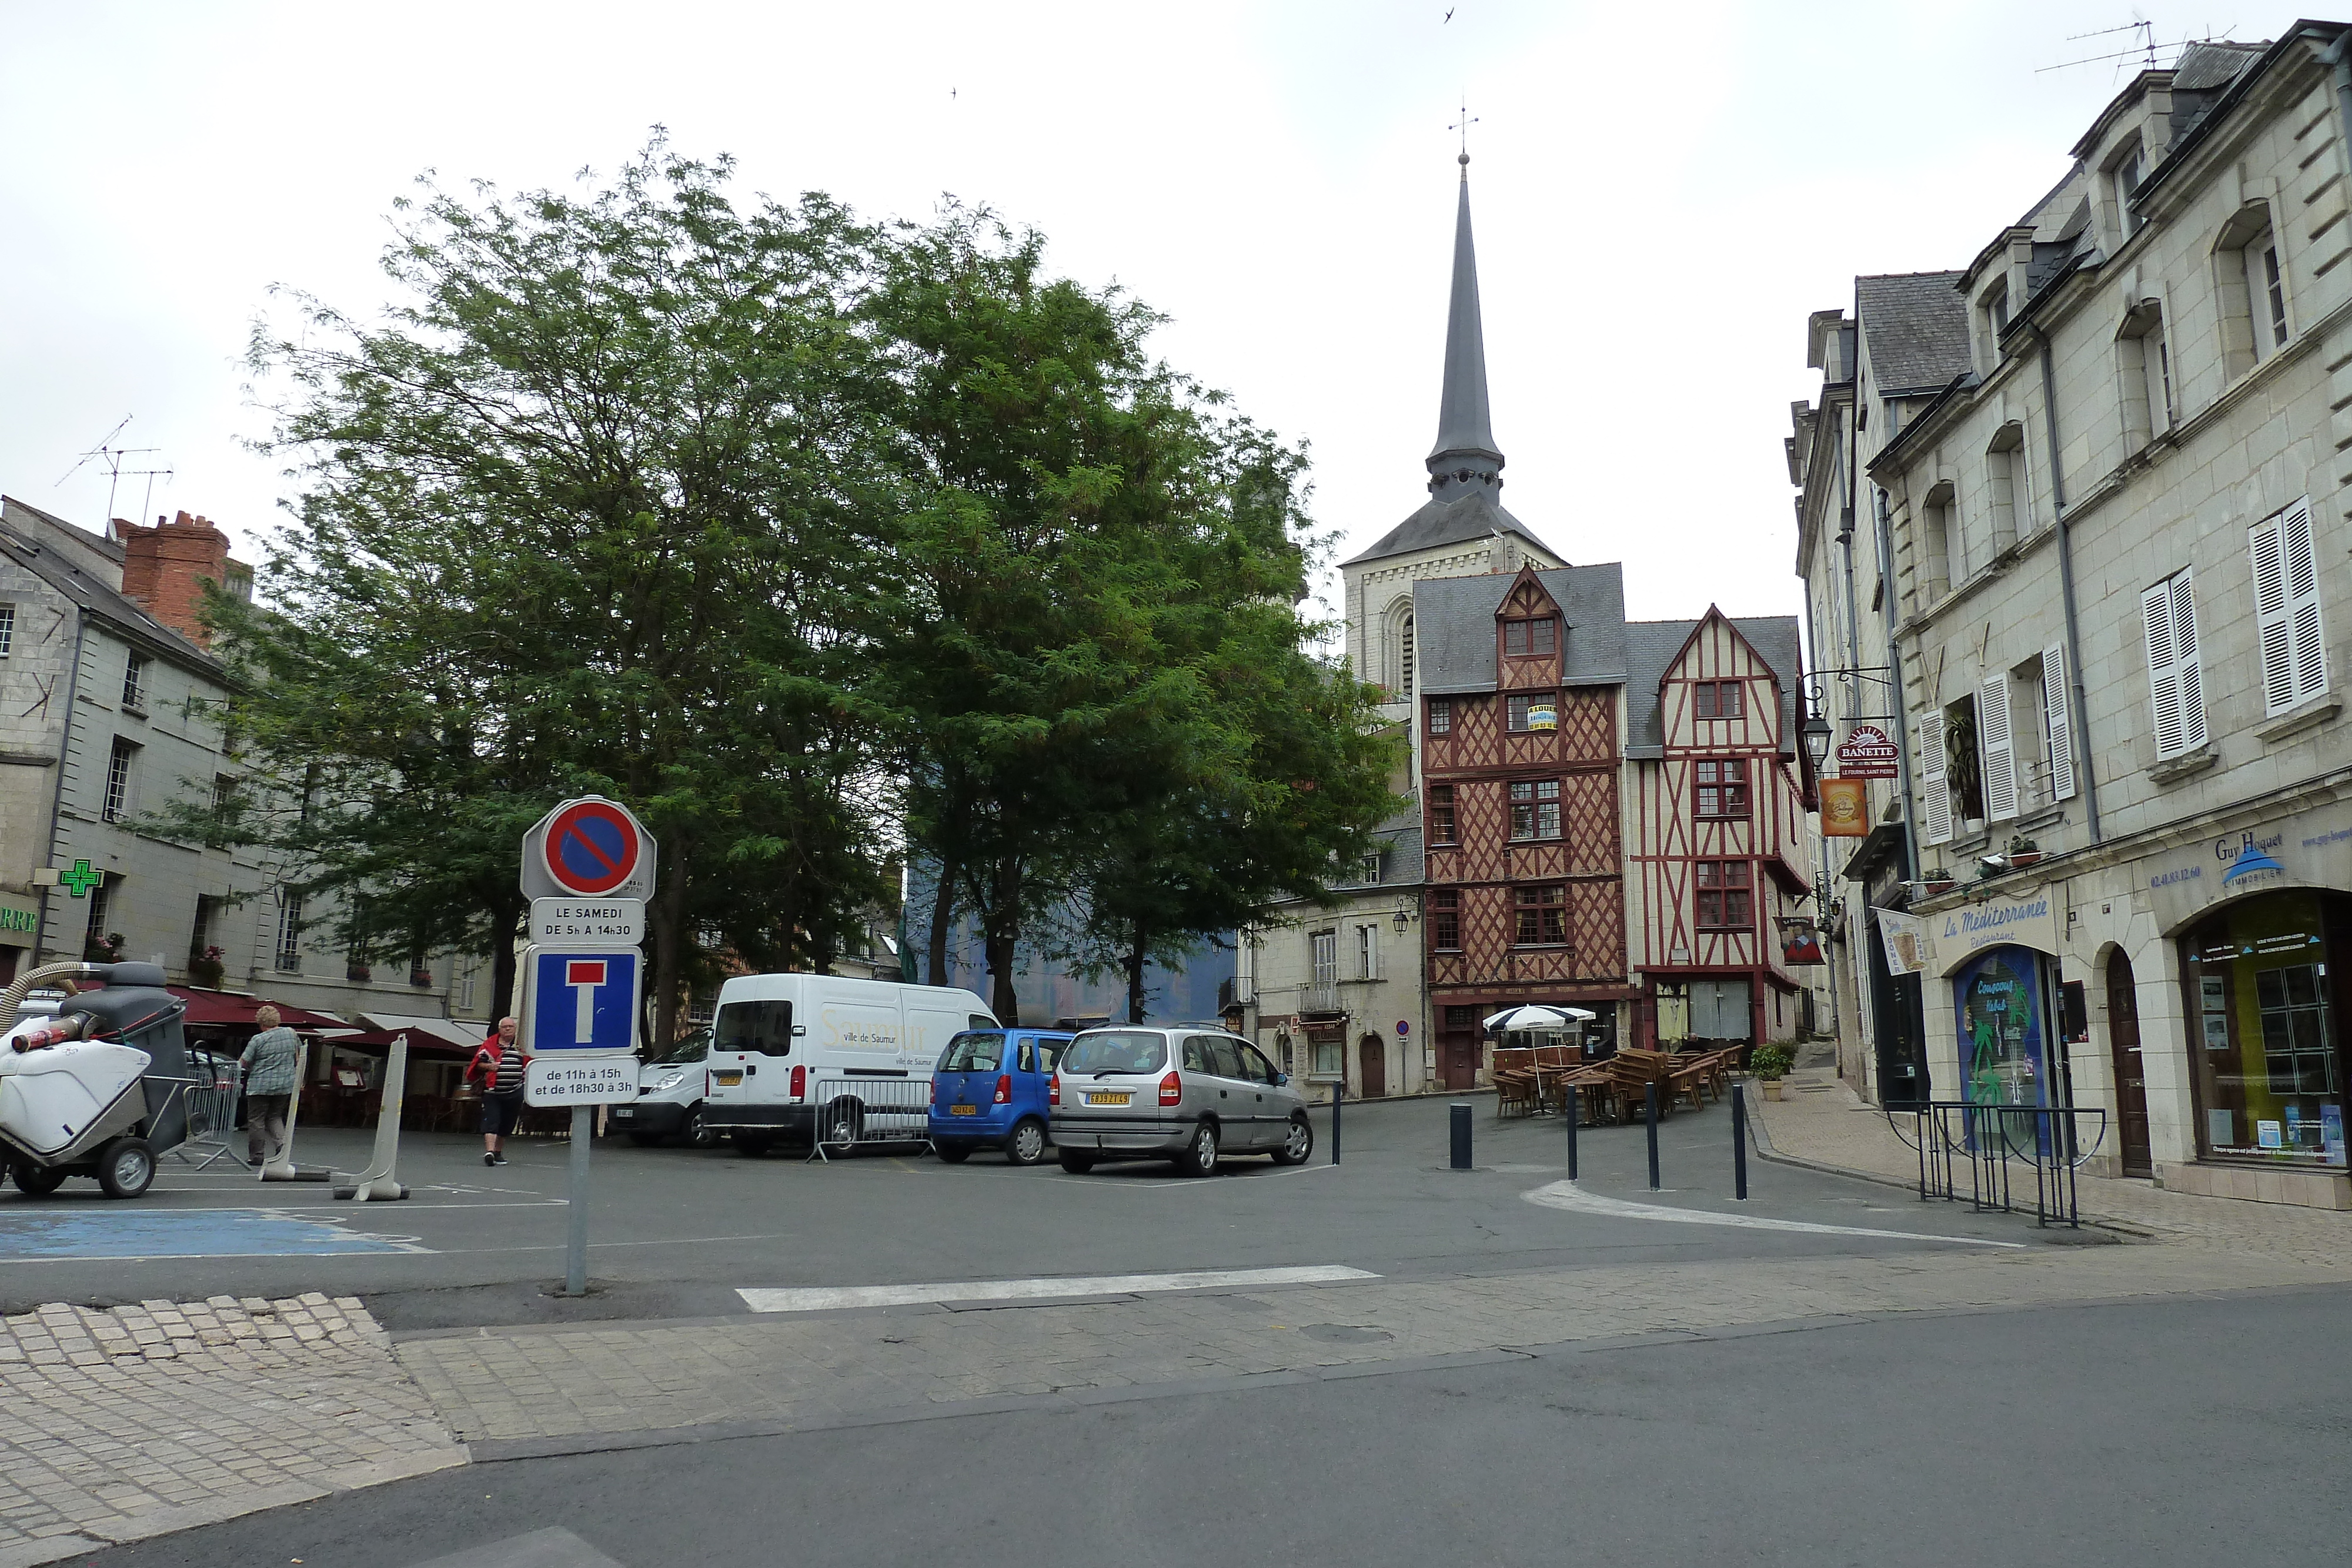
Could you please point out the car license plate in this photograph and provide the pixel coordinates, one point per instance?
(963, 1110)
(729, 1080)
(624, 1112)
(1120, 1098)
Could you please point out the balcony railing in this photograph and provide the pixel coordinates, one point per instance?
(1319, 999)
(1236, 991)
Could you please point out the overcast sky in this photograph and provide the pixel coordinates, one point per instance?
(1662, 195)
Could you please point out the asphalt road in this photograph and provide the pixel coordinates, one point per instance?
(2188, 1432)
(676, 1231)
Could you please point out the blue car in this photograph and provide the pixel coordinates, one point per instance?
(988, 1091)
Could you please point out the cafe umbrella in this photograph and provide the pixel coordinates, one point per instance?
(1535, 1017)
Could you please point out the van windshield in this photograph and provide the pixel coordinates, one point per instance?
(763, 1026)
(1115, 1050)
(975, 1051)
(693, 1048)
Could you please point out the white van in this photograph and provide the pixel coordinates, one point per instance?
(776, 1039)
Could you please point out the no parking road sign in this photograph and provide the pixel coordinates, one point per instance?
(589, 848)
(581, 1004)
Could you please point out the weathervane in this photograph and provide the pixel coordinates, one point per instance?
(1463, 125)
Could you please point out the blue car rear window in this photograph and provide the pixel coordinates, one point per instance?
(975, 1051)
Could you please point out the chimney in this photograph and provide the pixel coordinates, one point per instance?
(164, 567)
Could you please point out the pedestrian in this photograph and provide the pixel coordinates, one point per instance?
(498, 1067)
(270, 1062)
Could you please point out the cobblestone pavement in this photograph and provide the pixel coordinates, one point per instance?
(1821, 1120)
(519, 1391)
(122, 1423)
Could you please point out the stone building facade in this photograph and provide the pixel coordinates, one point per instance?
(2119, 574)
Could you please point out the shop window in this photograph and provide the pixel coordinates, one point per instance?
(2003, 1039)
(1531, 711)
(1716, 699)
(1445, 919)
(2267, 1067)
(1542, 914)
(1723, 787)
(1326, 1054)
(1461, 1017)
(1441, 715)
(1535, 808)
(1524, 637)
(1441, 813)
(1725, 898)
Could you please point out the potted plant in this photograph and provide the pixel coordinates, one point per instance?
(2023, 851)
(1960, 769)
(1770, 1063)
(1938, 879)
(207, 971)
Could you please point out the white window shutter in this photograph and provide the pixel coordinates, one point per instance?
(2273, 623)
(2057, 714)
(1935, 795)
(2163, 672)
(2303, 602)
(2189, 661)
(1996, 753)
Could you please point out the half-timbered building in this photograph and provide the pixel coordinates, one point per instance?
(1719, 850)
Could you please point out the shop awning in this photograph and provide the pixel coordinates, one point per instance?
(235, 1010)
(454, 1031)
(378, 1042)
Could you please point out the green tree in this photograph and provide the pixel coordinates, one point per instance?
(591, 509)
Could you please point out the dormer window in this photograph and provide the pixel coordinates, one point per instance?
(1993, 320)
(1522, 637)
(2123, 177)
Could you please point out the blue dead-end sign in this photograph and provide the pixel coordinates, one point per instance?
(582, 1004)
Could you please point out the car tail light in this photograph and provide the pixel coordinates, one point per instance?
(1004, 1089)
(938, 1091)
(1054, 1090)
(800, 1081)
(1171, 1089)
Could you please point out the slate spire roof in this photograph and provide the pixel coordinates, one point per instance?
(1465, 466)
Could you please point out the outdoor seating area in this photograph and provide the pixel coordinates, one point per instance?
(1536, 1082)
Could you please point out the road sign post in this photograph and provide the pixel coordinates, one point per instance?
(587, 868)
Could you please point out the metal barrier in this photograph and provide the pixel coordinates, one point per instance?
(1991, 1140)
(854, 1111)
(212, 1111)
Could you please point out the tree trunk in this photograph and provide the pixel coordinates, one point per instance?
(1003, 934)
(1135, 978)
(668, 913)
(506, 915)
(943, 917)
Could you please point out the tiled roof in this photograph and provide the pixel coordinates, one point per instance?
(1915, 327)
(1651, 647)
(1454, 626)
(60, 572)
(1471, 516)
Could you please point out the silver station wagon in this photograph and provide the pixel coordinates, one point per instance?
(1186, 1093)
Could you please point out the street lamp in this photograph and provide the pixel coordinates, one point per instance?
(1405, 913)
(1816, 734)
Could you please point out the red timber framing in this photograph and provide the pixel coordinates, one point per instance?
(1535, 912)
(1719, 846)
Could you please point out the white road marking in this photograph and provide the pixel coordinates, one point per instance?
(1569, 1196)
(818, 1300)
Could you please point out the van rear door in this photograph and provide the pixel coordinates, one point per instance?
(751, 1050)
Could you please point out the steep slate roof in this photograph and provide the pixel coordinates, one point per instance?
(1466, 518)
(54, 567)
(1454, 627)
(1916, 325)
(1650, 649)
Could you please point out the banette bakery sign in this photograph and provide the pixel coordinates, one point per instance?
(1866, 753)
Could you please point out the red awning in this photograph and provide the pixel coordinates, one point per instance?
(378, 1042)
(235, 1010)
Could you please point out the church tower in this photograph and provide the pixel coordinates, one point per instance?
(1462, 530)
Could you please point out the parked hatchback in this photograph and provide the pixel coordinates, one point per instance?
(1184, 1093)
(988, 1091)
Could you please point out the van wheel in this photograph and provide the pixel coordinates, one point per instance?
(842, 1122)
(1297, 1144)
(36, 1181)
(753, 1145)
(1075, 1163)
(954, 1153)
(698, 1135)
(127, 1167)
(1027, 1145)
(1200, 1156)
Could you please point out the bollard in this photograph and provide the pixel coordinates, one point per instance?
(280, 1166)
(1650, 1106)
(1571, 1132)
(1739, 1142)
(1339, 1092)
(377, 1183)
(1459, 1115)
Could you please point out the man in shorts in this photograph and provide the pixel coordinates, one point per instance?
(498, 1069)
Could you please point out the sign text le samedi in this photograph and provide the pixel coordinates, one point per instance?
(587, 922)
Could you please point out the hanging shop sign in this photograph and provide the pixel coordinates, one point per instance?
(1866, 753)
(1910, 950)
(2028, 921)
(1845, 808)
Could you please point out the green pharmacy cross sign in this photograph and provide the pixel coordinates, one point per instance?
(79, 878)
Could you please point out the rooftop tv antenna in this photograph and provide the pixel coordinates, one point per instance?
(112, 456)
(2144, 47)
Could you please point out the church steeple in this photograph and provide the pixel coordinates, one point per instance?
(1465, 460)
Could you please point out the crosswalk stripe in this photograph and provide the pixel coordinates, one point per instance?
(828, 1299)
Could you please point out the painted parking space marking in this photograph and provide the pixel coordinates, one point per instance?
(1567, 1194)
(815, 1299)
(60, 1235)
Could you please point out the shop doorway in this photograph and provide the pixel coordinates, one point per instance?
(2131, 1071)
(1370, 1057)
(1459, 1054)
(1721, 1011)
